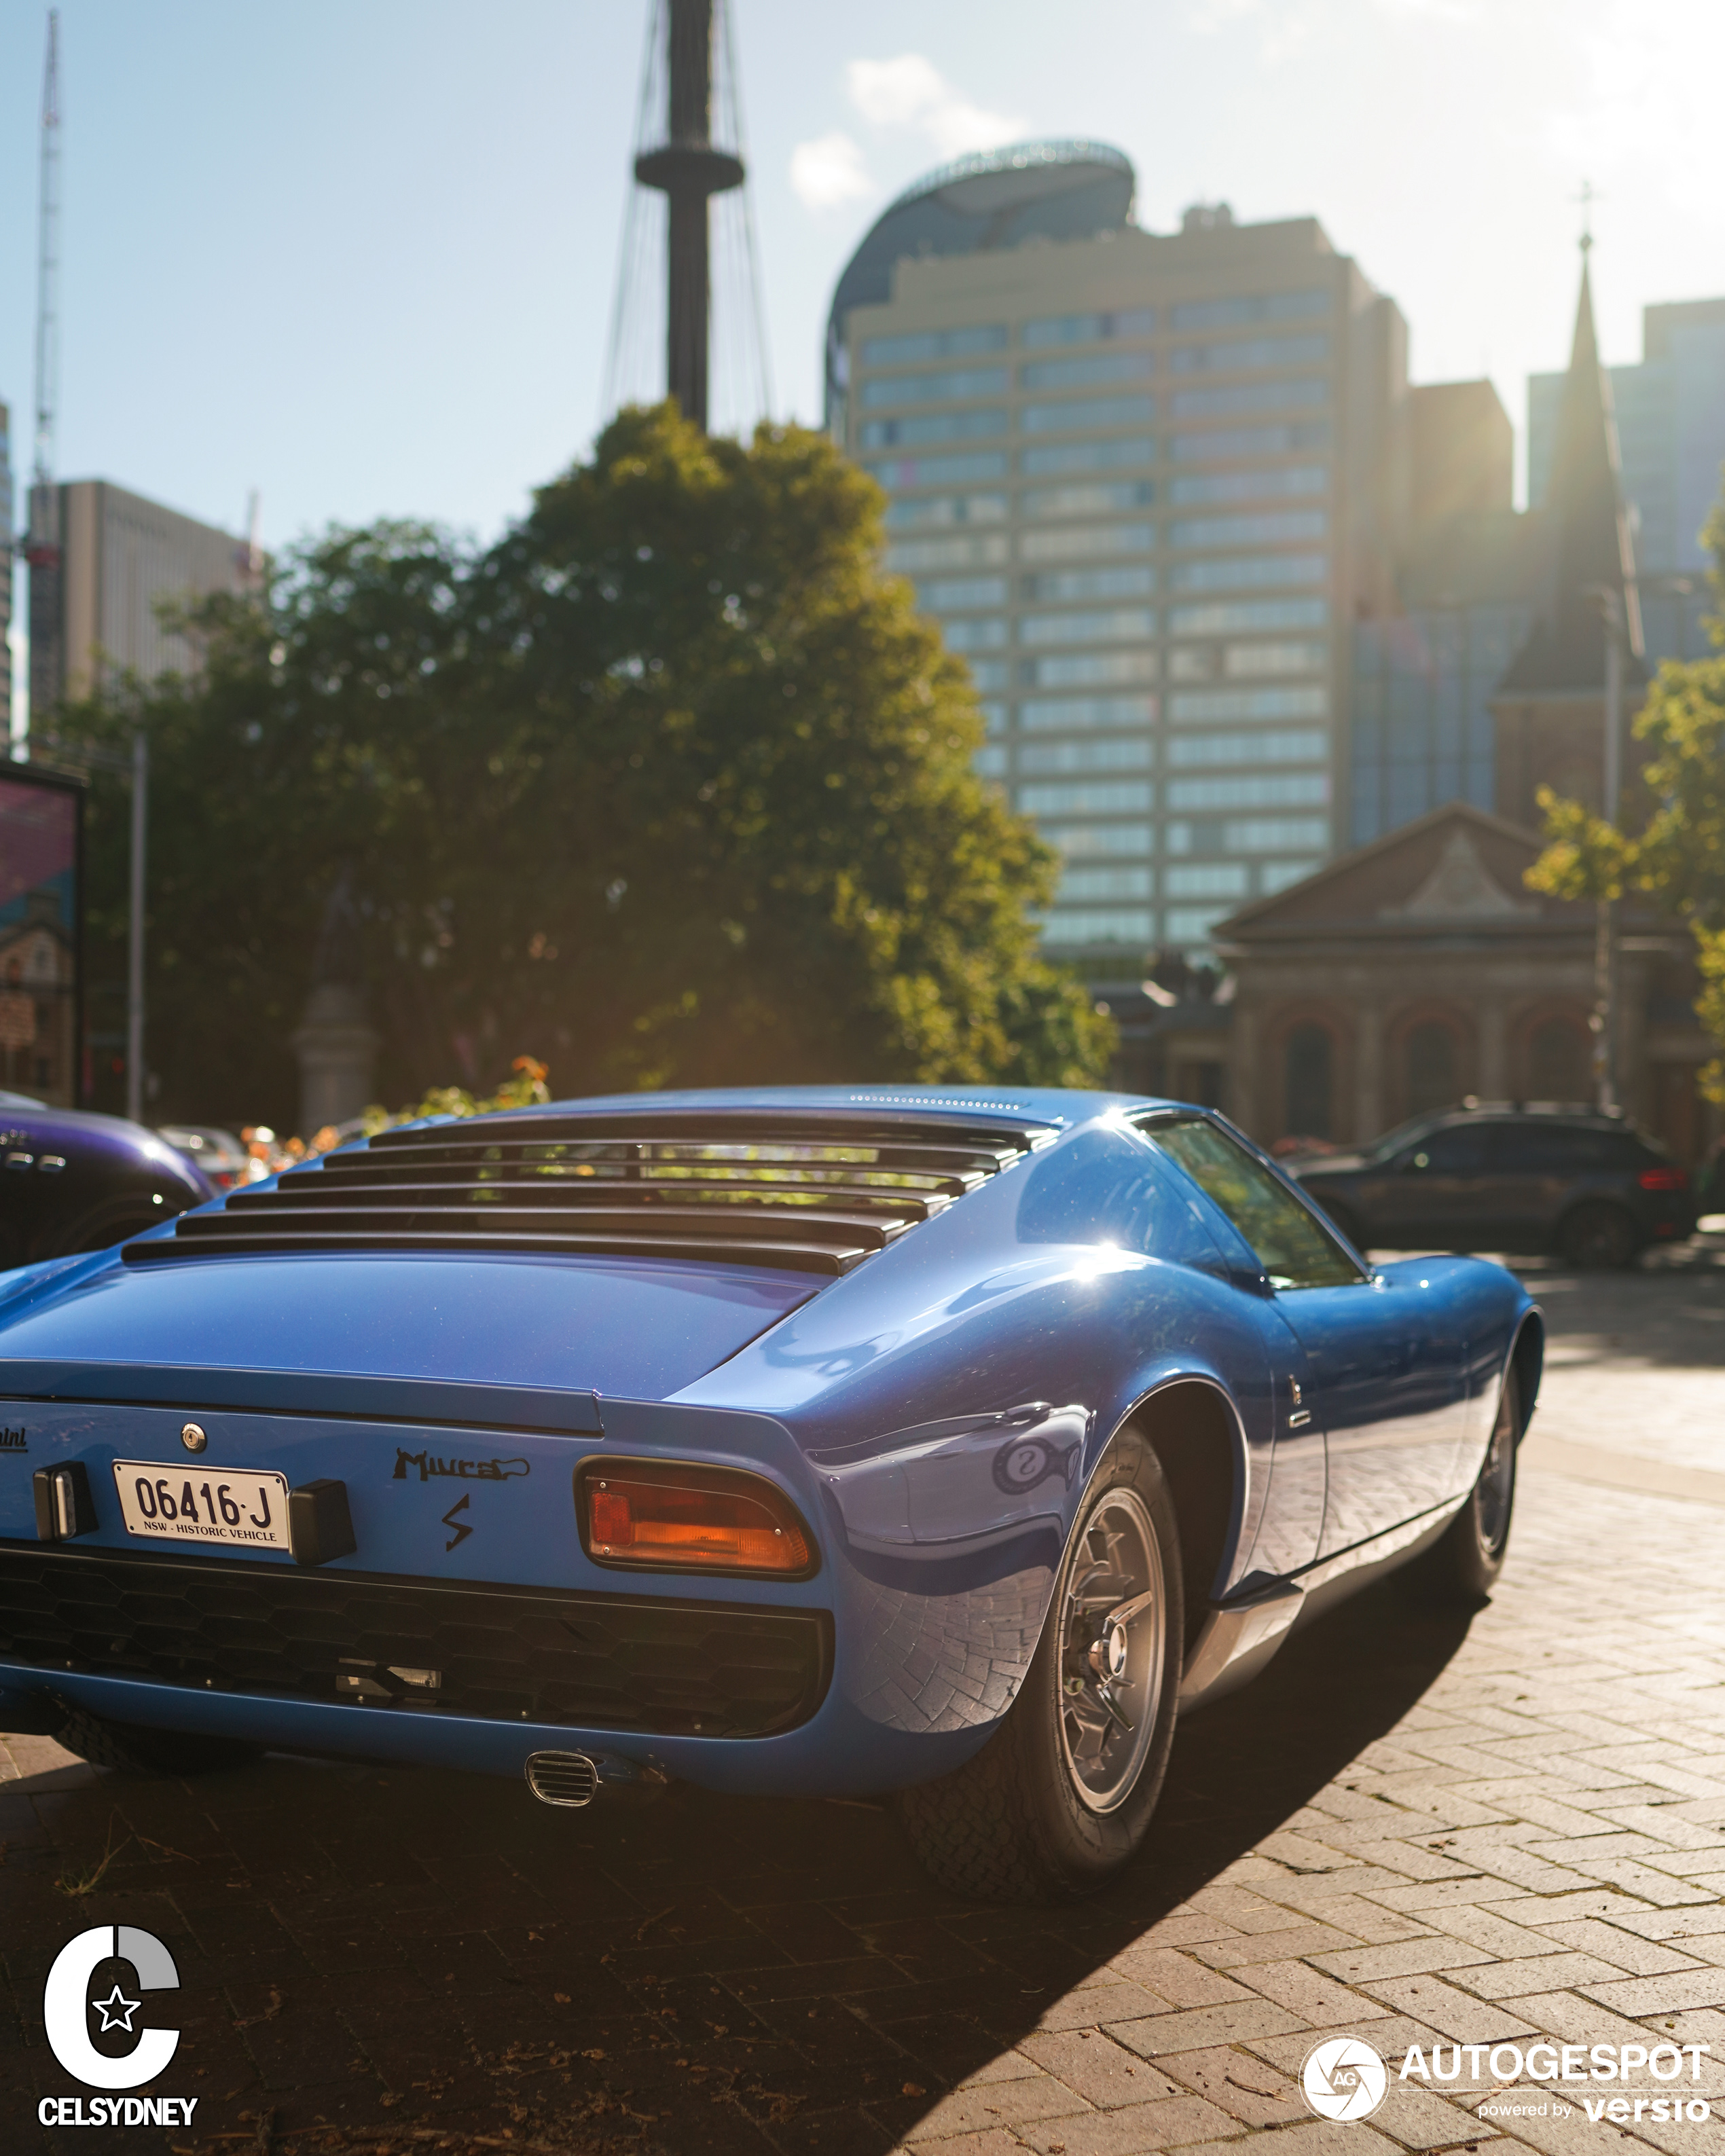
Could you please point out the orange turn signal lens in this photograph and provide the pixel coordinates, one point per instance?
(684, 1518)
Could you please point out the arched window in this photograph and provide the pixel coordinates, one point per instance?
(1431, 1067)
(1560, 1061)
(1305, 1082)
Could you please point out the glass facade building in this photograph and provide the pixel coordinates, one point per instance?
(1134, 477)
(1424, 675)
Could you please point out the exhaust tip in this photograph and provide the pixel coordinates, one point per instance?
(569, 1779)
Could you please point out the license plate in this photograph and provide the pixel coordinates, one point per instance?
(226, 1505)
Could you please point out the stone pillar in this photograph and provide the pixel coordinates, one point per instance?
(1369, 1117)
(1492, 1079)
(336, 1049)
(1635, 1086)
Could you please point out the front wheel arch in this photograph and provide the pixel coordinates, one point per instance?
(1527, 1357)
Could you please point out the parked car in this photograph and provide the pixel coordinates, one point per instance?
(1590, 1188)
(71, 1182)
(804, 1441)
(218, 1154)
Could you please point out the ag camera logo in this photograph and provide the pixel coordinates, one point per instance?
(66, 2011)
(1344, 2078)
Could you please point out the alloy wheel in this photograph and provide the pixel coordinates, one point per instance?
(1113, 1645)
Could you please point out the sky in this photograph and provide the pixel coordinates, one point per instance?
(362, 257)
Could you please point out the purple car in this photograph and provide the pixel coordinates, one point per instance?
(71, 1182)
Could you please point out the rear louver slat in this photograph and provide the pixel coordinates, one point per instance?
(818, 1192)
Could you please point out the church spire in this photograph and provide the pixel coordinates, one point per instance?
(1586, 542)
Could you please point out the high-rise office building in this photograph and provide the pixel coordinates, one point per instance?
(1426, 668)
(121, 557)
(1427, 713)
(1143, 482)
(1670, 430)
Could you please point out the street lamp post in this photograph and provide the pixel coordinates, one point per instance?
(1604, 1017)
(135, 929)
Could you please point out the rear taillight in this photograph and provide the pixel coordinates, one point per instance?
(676, 1518)
(1663, 1178)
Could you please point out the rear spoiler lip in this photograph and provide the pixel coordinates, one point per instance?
(456, 1401)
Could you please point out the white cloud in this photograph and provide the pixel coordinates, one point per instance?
(830, 171)
(911, 93)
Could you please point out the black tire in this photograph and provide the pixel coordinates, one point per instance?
(1464, 1566)
(1600, 1238)
(129, 1750)
(102, 1231)
(1061, 1795)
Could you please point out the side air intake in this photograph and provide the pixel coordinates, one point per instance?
(569, 1779)
(818, 1191)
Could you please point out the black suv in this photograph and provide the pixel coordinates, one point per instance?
(1589, 1187)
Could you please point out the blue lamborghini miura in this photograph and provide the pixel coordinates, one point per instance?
(811, 1440)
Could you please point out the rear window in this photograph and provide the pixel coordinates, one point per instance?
(1287, 1241)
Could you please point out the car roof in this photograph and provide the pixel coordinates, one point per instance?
(1536, 1111)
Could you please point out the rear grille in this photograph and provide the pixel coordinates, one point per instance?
(568, 1779)
(508, 1654)
(819, 1192)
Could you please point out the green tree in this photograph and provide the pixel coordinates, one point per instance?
(1677, 856)
(669, 786)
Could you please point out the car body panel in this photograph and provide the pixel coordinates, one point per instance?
(934, 1415)
(639, 1327)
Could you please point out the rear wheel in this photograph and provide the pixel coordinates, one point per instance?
(129, 1750)
(102, 1231)
(1600, 1238)
(1465, 1565)
(1061, 1795)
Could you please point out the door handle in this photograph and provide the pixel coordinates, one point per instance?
(1300, 1417)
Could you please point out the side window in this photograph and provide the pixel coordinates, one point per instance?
(1290, 1245)
(1458, 1150)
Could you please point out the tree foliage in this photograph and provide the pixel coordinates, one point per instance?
(1677, 857)
(671, 786)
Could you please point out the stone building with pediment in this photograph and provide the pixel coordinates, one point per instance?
(1415, 972)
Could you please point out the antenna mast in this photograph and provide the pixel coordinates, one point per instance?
(42, 542)
(688, 169)
(48, 271)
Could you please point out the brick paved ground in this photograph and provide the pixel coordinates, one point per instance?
(1416, 1828)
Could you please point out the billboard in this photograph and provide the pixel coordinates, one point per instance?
(41, 922)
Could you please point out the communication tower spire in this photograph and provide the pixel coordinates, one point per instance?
(687, 169)
(48, 263)
(42, 542)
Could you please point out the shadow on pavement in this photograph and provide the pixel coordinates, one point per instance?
(387, 1951)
